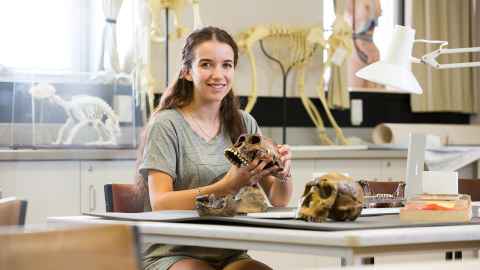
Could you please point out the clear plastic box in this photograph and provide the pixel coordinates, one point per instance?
(67, 111)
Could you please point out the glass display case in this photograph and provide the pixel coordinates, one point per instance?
(67, 111)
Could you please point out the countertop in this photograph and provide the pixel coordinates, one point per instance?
(298, 152)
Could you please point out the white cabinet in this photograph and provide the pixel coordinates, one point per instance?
(356, 168)
(62, 188)
(96, 174)
(393, 169)
(52, 188)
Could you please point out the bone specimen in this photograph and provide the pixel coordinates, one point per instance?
(82, 111)
(209, 205)
(380, 194)
(155, 6)
(299, 45)
(251, 199)
(148, 67)
(333, 196)
(251, 146)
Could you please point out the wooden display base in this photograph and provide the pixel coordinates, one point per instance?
(436, 215)
(438, 208)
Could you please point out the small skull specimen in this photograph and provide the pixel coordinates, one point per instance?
(209, 205)
(251, 199)
(383, 194)
(251, 146)
(334, 196)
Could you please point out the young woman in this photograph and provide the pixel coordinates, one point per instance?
(184, 144)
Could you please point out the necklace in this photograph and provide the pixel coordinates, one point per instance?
(208, 135)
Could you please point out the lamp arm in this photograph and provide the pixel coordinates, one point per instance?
(430, 58)
(426, 58)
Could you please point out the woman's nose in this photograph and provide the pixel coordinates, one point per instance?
(217, 72)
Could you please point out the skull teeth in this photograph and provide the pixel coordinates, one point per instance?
(243, 161)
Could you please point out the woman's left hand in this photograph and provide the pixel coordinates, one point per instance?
(286, 160)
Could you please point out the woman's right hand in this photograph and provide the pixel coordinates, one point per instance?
(238, 177)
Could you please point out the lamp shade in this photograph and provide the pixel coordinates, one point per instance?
(395, 70)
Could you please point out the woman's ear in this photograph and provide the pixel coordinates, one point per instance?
(186, 74)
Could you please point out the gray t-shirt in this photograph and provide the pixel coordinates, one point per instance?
(175, 149)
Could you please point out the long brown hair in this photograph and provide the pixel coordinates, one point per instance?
(180, 94)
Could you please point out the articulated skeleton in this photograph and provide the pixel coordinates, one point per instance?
(300, 45)
(154, 33)
(155, 6)
(82, 111)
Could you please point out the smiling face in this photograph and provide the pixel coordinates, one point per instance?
(212, 71)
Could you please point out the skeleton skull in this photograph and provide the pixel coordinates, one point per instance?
(249, 199)
(317, 199)
(209, 205)
(251, 146)
(333, 196)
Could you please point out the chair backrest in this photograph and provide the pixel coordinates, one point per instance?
(122, 198)
(99, 247)
(470, 187)
(12, 211)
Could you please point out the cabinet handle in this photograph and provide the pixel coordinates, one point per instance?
(92, 204)
(90, 168)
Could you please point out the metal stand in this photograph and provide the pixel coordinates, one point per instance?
(285, 73)
(166, 46)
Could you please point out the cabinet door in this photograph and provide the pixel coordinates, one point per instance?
(52, 188)
(356, 168)
(394, 169)
(96, 174)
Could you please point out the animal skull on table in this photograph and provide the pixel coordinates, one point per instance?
(335, 196)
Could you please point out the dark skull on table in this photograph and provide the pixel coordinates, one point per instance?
(335, 196)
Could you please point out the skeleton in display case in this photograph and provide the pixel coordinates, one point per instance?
(82, 111)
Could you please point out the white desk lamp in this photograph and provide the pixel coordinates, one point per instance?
(395, 70)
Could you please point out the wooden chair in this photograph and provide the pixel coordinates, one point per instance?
(99, 247)
(470, 187)
(12, 211)
(121, 198)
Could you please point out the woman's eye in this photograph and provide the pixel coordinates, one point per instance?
(205, 65)
(227, 65)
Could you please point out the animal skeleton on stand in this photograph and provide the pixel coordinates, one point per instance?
(293, 48)
(152, 38)
(82, 111)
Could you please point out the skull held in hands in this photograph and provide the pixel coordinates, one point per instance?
(333, 196)
(249, 199)
(251, 146)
